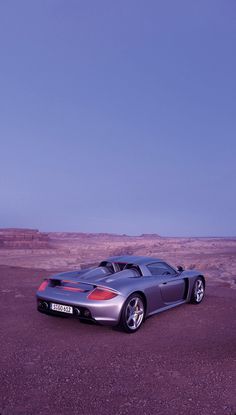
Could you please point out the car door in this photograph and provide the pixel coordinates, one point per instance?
(171, 285)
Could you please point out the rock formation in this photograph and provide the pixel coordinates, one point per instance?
(23, 239)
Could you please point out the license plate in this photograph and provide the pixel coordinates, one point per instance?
(62, 308)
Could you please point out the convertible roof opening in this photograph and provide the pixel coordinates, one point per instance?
(114, 267)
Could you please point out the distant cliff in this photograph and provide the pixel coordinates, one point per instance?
(23, 239)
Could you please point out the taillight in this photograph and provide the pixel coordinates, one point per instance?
(43, 285)
(101, 294)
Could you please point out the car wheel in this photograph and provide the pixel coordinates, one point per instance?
(198, 291)
(132, 313)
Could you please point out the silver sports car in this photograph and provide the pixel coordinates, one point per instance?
(122, 290)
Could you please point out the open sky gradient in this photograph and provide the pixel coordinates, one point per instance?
(118, 116)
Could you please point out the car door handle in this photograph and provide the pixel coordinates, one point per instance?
(164, 283)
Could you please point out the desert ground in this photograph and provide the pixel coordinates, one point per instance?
(182, 361)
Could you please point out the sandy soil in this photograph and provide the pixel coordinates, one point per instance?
(180, 362)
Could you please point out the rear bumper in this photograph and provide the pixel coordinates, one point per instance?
(103, 312)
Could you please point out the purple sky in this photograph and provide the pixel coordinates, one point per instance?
(118, 116)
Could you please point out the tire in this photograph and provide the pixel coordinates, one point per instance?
(198, 291)
(132, 314)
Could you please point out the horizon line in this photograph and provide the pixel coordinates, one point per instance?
(117, 234)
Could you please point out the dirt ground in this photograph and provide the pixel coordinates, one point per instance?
(182, 361)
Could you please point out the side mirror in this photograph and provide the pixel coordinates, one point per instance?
(180, 269)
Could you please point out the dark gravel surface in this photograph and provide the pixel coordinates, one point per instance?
(182, 361)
